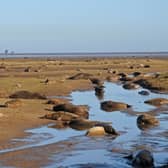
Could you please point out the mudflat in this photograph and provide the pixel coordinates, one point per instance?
(49, 77)
(52, 77)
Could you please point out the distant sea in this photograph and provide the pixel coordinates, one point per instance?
(78, 55)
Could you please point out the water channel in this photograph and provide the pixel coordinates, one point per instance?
(104, 151)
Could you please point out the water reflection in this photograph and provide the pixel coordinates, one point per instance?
(99, 92)
(134, 136)
(106, 151)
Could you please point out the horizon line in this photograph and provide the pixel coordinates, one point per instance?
(84, 53)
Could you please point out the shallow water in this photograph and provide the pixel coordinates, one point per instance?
(104, 151)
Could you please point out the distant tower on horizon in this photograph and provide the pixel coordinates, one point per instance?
(6, 52)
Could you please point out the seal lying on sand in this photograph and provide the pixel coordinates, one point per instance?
(65, 117)
(13, 103)
(23, 94)
(56, 101)
(97, 81)
(81, 76)
(81, 111)
(157, 101)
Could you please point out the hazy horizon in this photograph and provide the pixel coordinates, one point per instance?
(52, 53)
(70, 26)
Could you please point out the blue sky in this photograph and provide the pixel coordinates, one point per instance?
(83, 25)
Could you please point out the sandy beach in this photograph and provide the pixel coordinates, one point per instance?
(50, 77)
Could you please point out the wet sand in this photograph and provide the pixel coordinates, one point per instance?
(13, 121)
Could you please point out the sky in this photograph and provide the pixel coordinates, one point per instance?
(83, 25)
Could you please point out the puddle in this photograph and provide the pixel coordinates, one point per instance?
(116, 92)
(92, 158)
(43, 136)
(105, 152)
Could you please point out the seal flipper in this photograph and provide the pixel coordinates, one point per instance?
(129, 157)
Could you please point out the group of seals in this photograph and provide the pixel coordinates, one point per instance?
(94, 128)
(77, 118)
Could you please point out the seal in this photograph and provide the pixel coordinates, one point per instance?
(141, 159)
(145, 121)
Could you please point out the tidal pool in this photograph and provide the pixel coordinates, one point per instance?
(104, 151)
